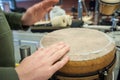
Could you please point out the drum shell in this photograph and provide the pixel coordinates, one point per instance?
(86, 70)
(82, 67)
(108, 8)
(94, 77)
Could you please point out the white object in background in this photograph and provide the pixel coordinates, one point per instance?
(57, 11)
(87, 19)
(61, 21)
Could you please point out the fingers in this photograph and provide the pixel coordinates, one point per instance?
(48, 3)
(53, 48)
(47, 52)
(54, 54)
(58, 65)
(59, 54)
(38, 51)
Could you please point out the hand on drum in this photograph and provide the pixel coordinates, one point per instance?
(42, 64)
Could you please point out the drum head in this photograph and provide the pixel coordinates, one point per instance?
(110, 1)
(86, 47)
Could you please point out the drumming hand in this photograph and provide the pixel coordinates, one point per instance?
(37, 12)
(42, 64)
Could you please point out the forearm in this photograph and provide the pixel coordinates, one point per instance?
(8, 74)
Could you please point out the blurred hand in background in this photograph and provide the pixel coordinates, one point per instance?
(37, 11)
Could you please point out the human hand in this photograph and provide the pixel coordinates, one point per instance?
(42, 64)
(37, 12)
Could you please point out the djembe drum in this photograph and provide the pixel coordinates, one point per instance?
(108, 7)
(92, 54)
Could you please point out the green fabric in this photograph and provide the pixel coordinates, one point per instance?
(6, 43)
(7, 58)
(8, 74)
(14, 19)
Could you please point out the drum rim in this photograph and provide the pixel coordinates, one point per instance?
(98, 72)
(96, 51)
(109, 3)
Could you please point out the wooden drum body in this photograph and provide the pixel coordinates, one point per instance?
(108, 7)
(92, 53)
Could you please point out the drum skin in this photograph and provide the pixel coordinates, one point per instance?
(111, 1)
(93, 57)
(108, 8)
